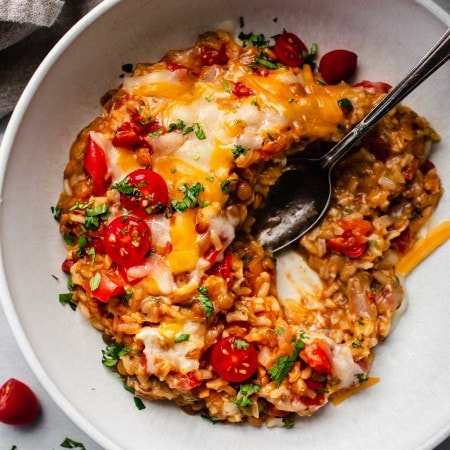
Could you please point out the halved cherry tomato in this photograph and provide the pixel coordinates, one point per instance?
(317, 354)
(18, 403)
(210, 56)
(337, 66)
(111, 285)
(290, 49)
(95, 165)
(144, 192)
(378, 87)
(234, 359)
(353, 241)
(127, 240)
(242, 90)
(319, 399)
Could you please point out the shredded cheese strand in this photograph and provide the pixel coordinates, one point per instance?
(343, 395)
(423, 247)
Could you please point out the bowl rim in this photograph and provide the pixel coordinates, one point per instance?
(6, 146)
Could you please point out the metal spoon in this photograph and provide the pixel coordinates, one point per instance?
(301, 196)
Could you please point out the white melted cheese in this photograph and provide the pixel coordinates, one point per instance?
(344, 367)
(164, 355)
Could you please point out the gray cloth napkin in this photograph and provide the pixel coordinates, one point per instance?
(28, 31)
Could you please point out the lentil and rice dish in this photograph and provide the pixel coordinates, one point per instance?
(156, 211)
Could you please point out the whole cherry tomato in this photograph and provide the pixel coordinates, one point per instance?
(234, 359)
(290, 49)
(18, 403)
(337, 66)
(143, 192)
(317, 354)
(127, 240)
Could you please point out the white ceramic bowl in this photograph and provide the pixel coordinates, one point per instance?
(409, 408)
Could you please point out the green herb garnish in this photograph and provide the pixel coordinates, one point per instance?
(284, 364)
(70, 443)
(205, 301)
(190, 199)
(182, 338)
(245, 390)
(113, 352)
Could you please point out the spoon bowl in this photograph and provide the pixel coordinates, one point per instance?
(301, 196)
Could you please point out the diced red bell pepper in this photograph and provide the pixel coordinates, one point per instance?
(353, 241)
(242, 90)
(111, 285)
(317, 354)
(96, 167)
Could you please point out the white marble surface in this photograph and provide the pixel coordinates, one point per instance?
(52, 426)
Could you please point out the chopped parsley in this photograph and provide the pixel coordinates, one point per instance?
(181, 126)
(56, 211)
(225, 187)
(94, 281)
(262, 61)
(284, 364)
(125, 188)
(198, 130)
(190, 199)
(205, 301)
(95, 215)
(182, 338)
(209, 418)
(113, 352)
(238, 150)
(70, 443)
(69, 239)
(67, 299)
(357, 344)
(245, 390)
(253, 40)
(225, 85)
(362, 377)
(139, 403)
(346, 105)
(240, 344)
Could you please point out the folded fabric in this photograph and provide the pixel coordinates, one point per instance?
(36, 12)
(28, 31)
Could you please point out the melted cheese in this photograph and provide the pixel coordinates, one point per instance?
(163, 354)
(423, 247)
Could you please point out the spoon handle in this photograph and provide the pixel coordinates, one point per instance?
(434, 59)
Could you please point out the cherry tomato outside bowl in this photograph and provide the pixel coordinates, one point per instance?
(18, 403)
(234, 359)
(338, 65)
(127, 240)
